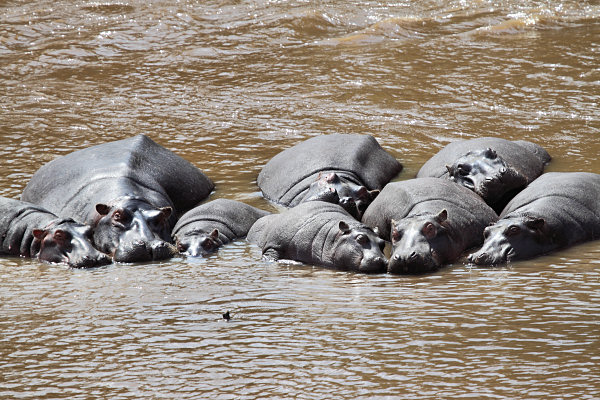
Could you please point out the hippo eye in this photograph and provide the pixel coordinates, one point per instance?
(362, 239)
(463, 169)
(486, 233)
(118, 216)
(429, 230)
(181, 247)
(513, 230)
(396, 235)
(207, 244)
(60, 236)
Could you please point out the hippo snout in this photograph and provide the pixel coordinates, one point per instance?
(90, 261)
(373, 265)
(144, 251)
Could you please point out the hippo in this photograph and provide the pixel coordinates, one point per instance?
(319, 233)
(494, 168)
(430, 222)
(130, 191)
(31, 231)
(557, 210)
(205, 228)
(347, 169)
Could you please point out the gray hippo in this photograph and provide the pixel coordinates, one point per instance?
(341, 168)
(494, 168)
(30, 231)
(430, 222)
(205, 228)
(131, 191)
(319, 233)
(557, 210)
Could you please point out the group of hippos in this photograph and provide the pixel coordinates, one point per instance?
(133, 200)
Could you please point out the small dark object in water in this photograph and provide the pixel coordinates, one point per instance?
(226, 316)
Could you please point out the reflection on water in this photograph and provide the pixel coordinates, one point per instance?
(228, 86)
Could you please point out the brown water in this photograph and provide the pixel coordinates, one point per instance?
(229, 84)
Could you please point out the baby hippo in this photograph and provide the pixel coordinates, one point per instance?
(494, 168)
(319, 233)
(430, 222)
(31, 231)
(332, 188)
(557, 210)
(204, 229)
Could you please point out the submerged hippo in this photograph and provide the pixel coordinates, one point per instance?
(494, 168)
(131, 192)
(319, 233)
(205, 228)
(430, 222)
(345, 169)
(31, 231)
(557, 210)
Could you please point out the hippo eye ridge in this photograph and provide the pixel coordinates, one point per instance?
(513, 230)
(429, 230)
(362, 239)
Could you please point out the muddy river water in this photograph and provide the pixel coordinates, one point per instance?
(229, 84)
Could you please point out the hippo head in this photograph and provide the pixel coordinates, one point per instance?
(198, 243)
(359, 249)
(421, 243)
(512, 238)
(487, 174)
(131, 229)
(67, 242)
(334, 189)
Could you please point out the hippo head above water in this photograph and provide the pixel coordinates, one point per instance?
(131, 229)
(421, 243)
(513, 238)
(358, 249)
(198, 243)
(67, 242)
(335, 189)
(487, 174)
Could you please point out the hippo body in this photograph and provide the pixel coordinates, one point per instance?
(346, 169)
(205, 228)
(557, 210)
(31, 231)
(319, 233)
(494, 168)
(430, 222)
(131, 192)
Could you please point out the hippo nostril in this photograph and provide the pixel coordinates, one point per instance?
(412, 256)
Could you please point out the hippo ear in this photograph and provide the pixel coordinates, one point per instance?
(102, 209)
(39, 233)
(344, 227)
(374, 193)
(535, 223)
(489, 153)
(165, 213)
(214, 234)
(442, 216)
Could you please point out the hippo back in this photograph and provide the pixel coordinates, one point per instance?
(568, 201)
(527, 157)
(358, 158)
(17, 220)
(233, 219)
(71, 185)
(467, 211)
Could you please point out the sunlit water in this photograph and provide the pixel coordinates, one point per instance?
(227, 85)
